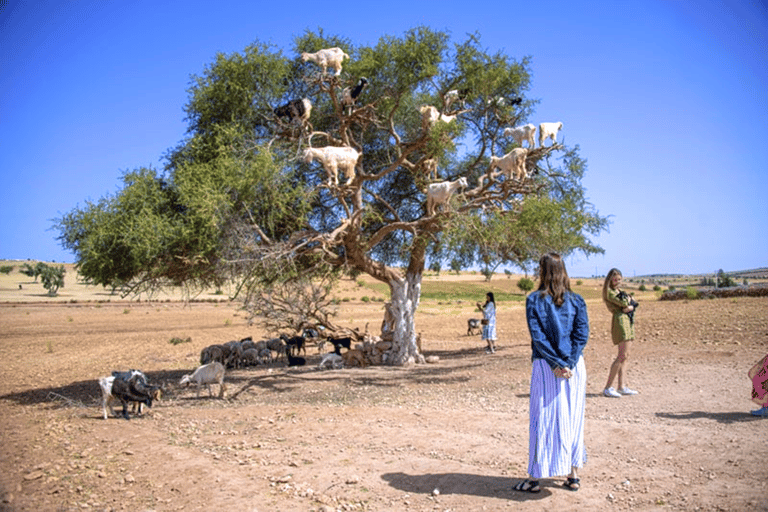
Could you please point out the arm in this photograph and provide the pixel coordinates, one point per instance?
(539, 339)
(580, 332)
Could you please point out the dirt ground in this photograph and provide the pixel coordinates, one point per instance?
(450, 436)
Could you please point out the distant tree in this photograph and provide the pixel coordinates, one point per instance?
(525, 284)
(435, 266)
(52, 278)
(724, 280)
(6, 269)
(240, 203)
(34, 272)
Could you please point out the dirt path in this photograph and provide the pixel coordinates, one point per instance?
(445, 437)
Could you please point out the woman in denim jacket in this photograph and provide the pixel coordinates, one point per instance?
(559, 328)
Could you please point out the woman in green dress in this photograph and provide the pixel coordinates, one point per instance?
(622, 332)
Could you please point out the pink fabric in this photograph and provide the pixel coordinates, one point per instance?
(759, 376)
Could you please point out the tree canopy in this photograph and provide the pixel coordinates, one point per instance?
(238, 201)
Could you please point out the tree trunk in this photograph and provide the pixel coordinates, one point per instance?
(401, 320)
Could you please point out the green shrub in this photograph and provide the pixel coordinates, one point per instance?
(641, 288)
(691, 293)
(525, 284)
(6, 269)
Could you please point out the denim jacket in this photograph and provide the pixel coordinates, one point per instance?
(558, 334)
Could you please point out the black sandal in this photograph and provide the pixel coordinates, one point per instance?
(528, 485)
(572, 484)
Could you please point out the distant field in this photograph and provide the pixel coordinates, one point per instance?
(446, 287)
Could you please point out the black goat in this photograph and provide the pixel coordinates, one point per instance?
(294, 360)
(297, 343)
(622, 295)
(132, 387)
(295, 110)
(338, 343)
(351, 94)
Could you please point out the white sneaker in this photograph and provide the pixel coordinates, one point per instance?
(626, 391)
(611, 393)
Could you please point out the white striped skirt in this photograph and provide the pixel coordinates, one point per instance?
(556, 435)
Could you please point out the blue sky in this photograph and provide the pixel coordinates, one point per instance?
(667, 99)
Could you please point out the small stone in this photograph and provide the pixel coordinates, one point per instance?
(435, 492)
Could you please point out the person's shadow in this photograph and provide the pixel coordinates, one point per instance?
(463, 483)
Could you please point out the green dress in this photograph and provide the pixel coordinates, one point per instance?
(621, 328)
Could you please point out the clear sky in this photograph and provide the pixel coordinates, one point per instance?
(668, 100)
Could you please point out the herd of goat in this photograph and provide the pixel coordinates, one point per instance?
(132, 388)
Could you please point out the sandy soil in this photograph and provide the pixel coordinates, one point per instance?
(450, 436)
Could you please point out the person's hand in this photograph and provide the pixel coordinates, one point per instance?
(563, 373)
(628, 309)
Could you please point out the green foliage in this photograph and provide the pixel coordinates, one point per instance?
(641, 288)
(6, 269)
(692, 293)
(34, 272)
(52, 278)
(237, 202)
(525, 284)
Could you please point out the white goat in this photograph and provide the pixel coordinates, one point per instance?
(332, 57)
(211, 373)
(331, 359)
(511, 164)
(334, 159)
(430, 115)
(440, 193)
(527, 132)
(549, 131)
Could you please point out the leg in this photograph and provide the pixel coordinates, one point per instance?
(617, 368)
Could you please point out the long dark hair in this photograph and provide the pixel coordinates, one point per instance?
(553, 278)
(489, 297)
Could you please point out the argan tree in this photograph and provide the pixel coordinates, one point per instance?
(240, 202)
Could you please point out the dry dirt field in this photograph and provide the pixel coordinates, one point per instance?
(450, 436)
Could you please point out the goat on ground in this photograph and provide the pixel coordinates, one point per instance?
(332, 359)
(339, 343)
(294, 360)
(130, 386)
(295, 344)
(207, 374)
(276, 345)
(328, 57)
(549, 131)
(107, 398)
(440, 193)
(473, 324)
(333, 159)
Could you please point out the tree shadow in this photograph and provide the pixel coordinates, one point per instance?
(487, 486)
(720, 417)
